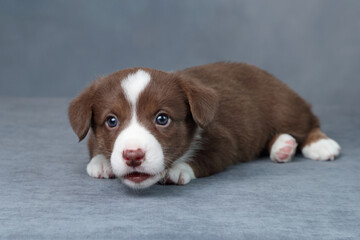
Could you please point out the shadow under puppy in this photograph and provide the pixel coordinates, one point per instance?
(148, 125)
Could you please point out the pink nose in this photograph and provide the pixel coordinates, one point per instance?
(133, 158)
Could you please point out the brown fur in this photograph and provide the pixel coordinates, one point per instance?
(240, 107)
(253, 108)
(313, 136)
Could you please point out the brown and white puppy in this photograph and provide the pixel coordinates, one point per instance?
(148, 126)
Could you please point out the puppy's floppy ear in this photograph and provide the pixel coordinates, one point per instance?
(80, 111)
(203, 100)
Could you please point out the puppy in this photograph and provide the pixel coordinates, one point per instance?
(148, 125)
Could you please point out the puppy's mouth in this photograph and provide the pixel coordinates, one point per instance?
(137, 177)
(138, 180)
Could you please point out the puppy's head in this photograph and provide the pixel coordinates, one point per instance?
(143, 120)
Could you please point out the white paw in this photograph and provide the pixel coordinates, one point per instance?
(99, 167)
(180, 174)
(322, 150)
(283, 149)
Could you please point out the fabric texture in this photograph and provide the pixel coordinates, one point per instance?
(47, 194)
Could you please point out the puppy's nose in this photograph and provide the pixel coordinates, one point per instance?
(133, 158)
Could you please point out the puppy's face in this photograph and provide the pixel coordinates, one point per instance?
(143, 120)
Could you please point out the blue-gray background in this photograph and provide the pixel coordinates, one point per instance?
(55, 48)
(49, 51)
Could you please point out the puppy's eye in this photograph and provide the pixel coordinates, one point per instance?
(162, 119)
(111, 122)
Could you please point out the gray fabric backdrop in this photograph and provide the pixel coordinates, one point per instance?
(55, 48)
(52, 49)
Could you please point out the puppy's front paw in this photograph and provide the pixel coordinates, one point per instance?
(180, 174)
(100, 167)
(322, 150)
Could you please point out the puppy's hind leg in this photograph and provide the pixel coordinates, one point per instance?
(318, 146)
(282, 148)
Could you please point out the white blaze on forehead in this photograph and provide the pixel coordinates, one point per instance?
(135, 136)
(134, 84)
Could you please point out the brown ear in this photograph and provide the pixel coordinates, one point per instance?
(203, 100)
(80, 111)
